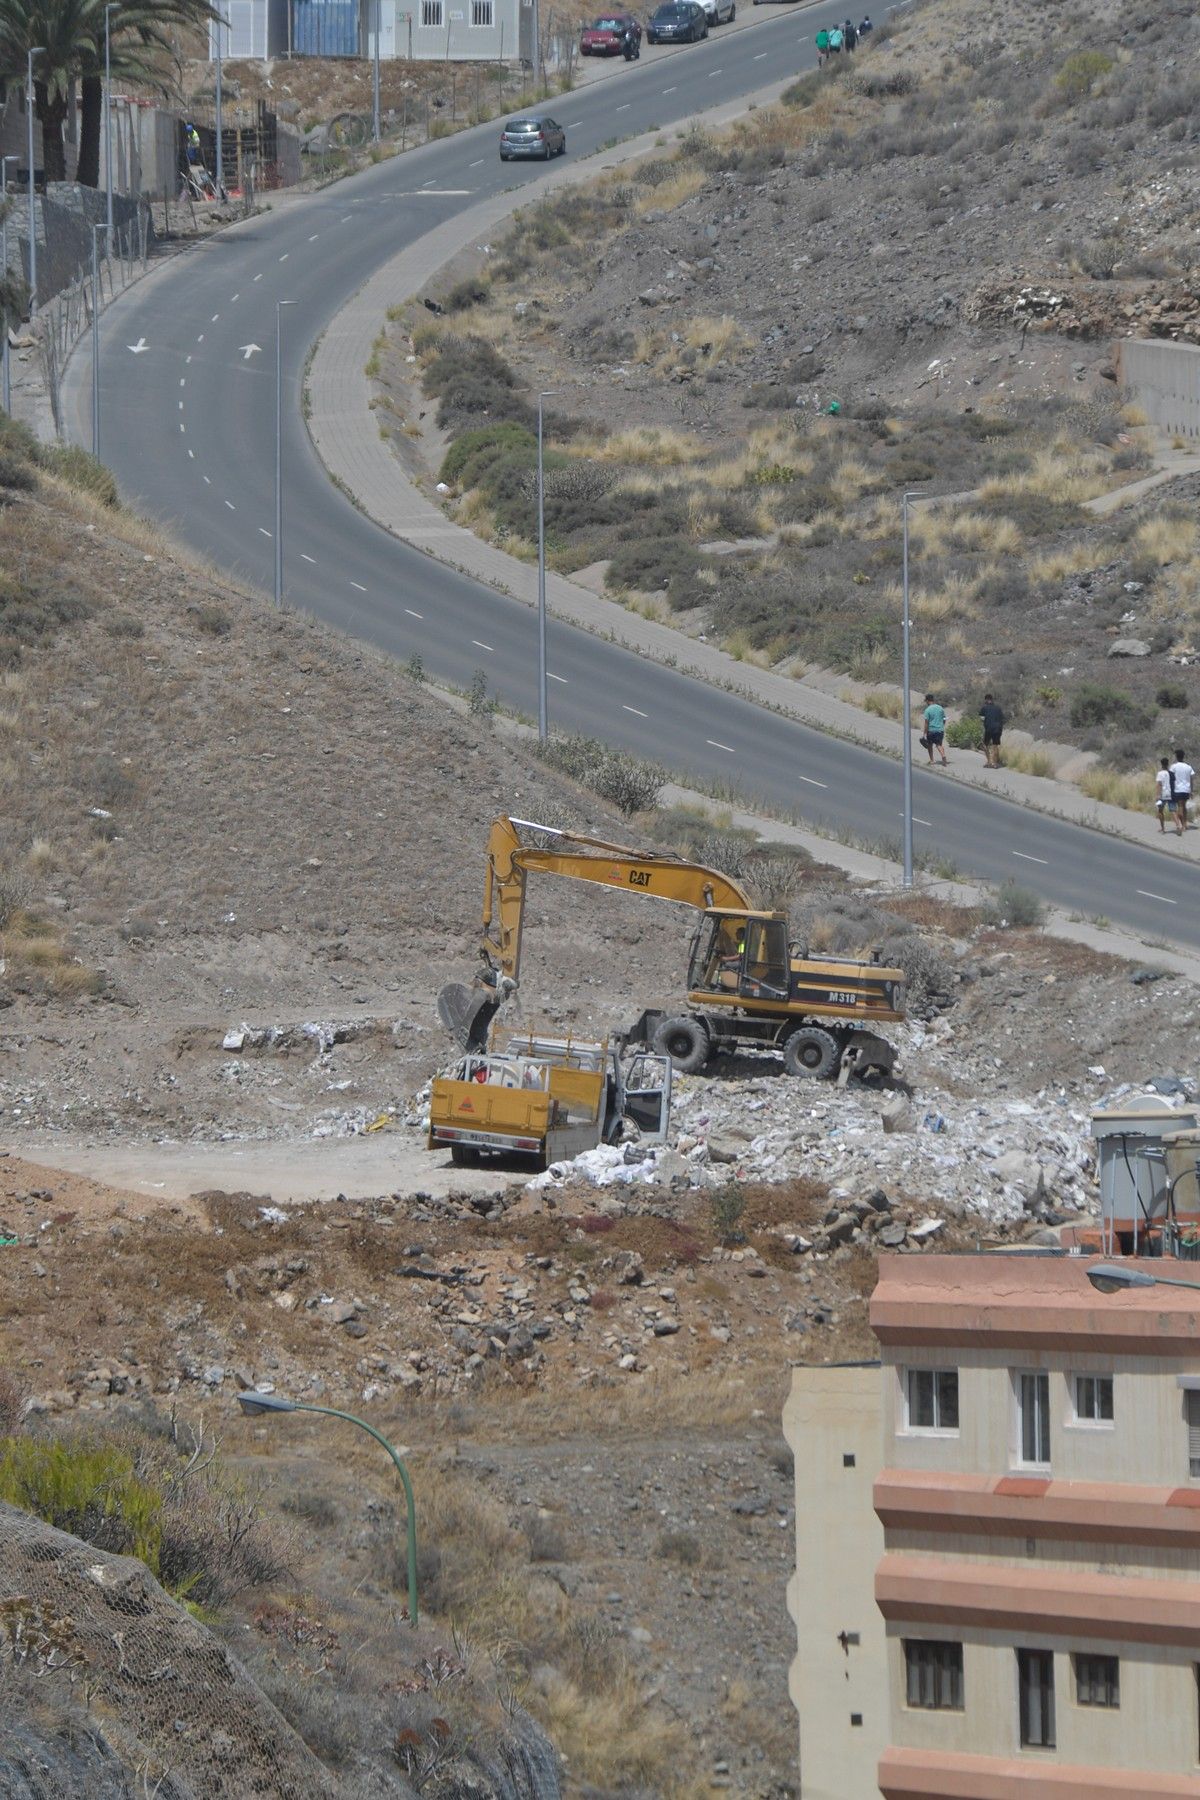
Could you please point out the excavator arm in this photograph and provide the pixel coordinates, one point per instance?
(518, 848)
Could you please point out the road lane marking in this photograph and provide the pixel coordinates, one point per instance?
(477, 164)
(187, 359)
(480, 646)
(626, 106)
(182, 426)
(761, 57)
(231, 506)
(235, 297)
(553, 677)
(258, 278)
(359, 586)
(314, 237)
(180, 405)
(812, 783)
(713, 72)
(285, 256)
(183, 378)
(192, 454)
(637, 710)
(264, 531)
(669, 90)
(214, 318)
(426, 184)
(1147, 895)
(412, 614)
(1044, 860)
(207, 480)
(200, 339)
(719, 746)
(917, 820)
(305, 557)
(345, 218)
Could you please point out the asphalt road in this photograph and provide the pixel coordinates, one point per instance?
(187, 383)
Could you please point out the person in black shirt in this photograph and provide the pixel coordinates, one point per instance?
(993, 730)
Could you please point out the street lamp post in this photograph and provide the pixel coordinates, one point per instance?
(375, 131)
(543, 721)
(109, 9)
(253, 1404)
(5, 361)
(96, 230)
(1111, 1278)
(906, 684)
(222, 24)
(29, 109)
(279, 305)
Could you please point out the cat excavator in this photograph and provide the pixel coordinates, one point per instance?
(747, 986)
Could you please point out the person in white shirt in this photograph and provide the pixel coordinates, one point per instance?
(1165, 803)
(1182, 777)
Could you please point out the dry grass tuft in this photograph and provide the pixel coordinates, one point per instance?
(1133, 792)
(670, 194)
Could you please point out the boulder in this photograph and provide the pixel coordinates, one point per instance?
(1129, 647)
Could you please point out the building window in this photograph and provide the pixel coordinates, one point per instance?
(1035, 1679)
(481, 12)
(934, 1674)
(431, 12)
(1097, 1680)
(1033, 1419)
(1094, 1399)
(932, 1396)
(1191, 1401)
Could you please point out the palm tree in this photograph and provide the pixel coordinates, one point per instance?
(71, 36)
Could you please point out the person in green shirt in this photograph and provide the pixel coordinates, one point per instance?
(822, 46)
(935, 729)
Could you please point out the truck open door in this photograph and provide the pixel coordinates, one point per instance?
(648, 1095)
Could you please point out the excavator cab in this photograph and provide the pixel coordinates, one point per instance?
(740, 956)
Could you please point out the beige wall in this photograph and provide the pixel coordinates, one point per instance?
(1155, 1727)
(833, 1413)
(1146, 1442)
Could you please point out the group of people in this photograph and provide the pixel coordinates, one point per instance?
(933, 737)
(1174, 782)
(845, 37)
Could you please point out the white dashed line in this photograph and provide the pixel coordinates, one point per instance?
(761, 57)
(264, 531)
(214, 318)
(231, 506)
(192, 454)
(314, 237)
(1037, 859)
(187, 359)
(719, 746)
(200, 339)
(412, 614)
(477, 164)
(183, 378)
(713, 72)
(480, 646)
(1147, 895)
(426, 184)
(285, 256)
(182, 426)
(235, 297)
(359, 586)
(635, 710)
(553, 677)
(669, 90)
(180, 404)
(812, 783)
(624, 108)
(258, 278)
(207, 480)
(305, 557)
(345, 218)
(918, 821)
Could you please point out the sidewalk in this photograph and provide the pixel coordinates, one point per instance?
(346, 439)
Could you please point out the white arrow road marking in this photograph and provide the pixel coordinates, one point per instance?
(717, 746)
(480, 646)
(249, 350)
(138, 347)
(636, 710)
(1147, 895)
(307, 558)
(412, 614)
(811, 782)
(1037, 859)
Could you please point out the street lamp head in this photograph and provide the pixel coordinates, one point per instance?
(1111, 1278)
(252, 1404)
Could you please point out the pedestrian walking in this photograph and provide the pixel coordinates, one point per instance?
(835, 42)
(865, 29)
(1182, 777)
(1164, 781)
(934, 737)
(822, 46)
(993, 730)
(849, 35)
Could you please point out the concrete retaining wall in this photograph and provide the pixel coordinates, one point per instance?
(1165, 378)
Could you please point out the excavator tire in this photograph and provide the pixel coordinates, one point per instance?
(685, 1040)
(812, 1052)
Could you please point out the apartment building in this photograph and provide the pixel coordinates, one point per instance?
(997, 1588)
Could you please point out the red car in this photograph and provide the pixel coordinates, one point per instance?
(606, 36)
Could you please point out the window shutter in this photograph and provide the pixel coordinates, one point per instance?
(1192, 1402)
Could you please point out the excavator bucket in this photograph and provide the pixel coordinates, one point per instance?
(467, 1014)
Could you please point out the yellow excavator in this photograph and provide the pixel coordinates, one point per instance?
(747, 987)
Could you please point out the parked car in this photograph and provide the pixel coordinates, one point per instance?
(606, 36)
(720, 12)
(677, 22)
(535, 134)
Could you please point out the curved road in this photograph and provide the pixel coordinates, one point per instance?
(187, 378)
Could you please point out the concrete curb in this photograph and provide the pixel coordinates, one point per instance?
(345, 436)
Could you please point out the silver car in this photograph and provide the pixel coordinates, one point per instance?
(535, 134)
(720, 12)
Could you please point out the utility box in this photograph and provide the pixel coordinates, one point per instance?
(1133, 1173)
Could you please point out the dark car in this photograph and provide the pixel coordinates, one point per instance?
(678, 22)
(606, 36)
(536, 134)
